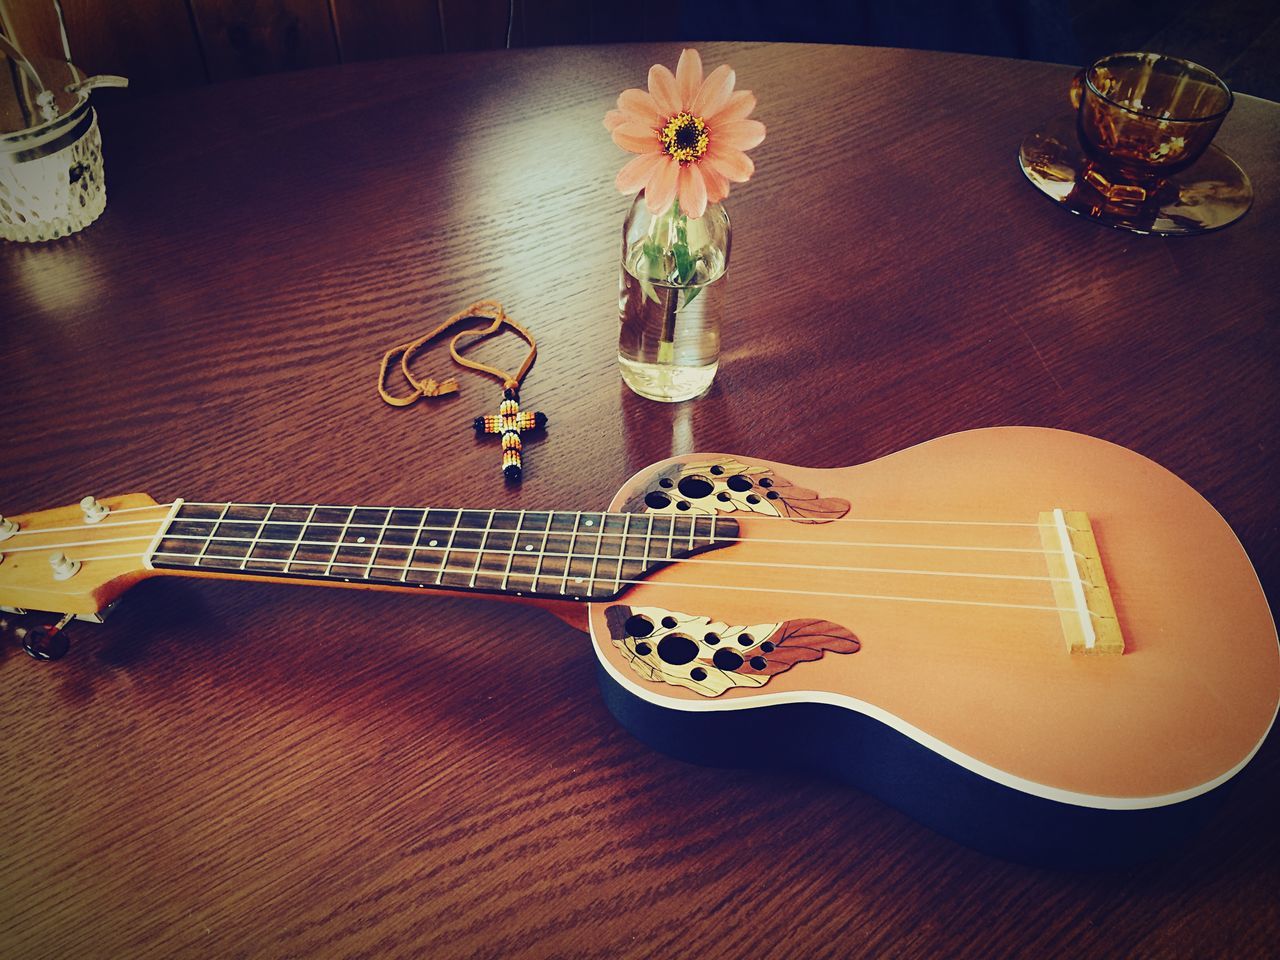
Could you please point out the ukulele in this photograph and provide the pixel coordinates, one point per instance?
(1039, 643)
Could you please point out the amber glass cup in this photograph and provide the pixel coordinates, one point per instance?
(1142, 117)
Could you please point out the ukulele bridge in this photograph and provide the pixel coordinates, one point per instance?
(1080, 588)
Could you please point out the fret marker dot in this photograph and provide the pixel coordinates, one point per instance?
(434, 543)
(359, 539)
(590, 523)
(528, 546)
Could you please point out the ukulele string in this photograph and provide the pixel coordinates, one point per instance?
(602, 535)
(364, 564)
(106, 522)
(762, 517)
(367, 566)
(81, 543)
(753, 517)
(619, 582)
(599, 536)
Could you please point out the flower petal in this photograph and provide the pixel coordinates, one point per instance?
(688, 75)
(614, 119)
(733, 163)
(740, 134)
(739, 107)
(666, 93)
(714, 93)
(638, 171)
(635, 137)
(661, 189)
(640, 105)
(717, 185)
(693, 191)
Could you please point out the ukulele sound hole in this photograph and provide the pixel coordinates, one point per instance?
(726, 659)
(676, 649)
(638, 626)
(695, 487)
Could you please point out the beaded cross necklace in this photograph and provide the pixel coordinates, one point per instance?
(510, 423)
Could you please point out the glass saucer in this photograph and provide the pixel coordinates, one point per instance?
(1210, 194)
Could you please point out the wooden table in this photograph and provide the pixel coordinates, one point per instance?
(254, 770)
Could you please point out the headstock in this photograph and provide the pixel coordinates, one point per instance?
(77, 559)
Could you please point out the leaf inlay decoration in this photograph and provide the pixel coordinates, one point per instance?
(709, 485)
(668, 647)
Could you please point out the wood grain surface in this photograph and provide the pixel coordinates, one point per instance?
(263, 771)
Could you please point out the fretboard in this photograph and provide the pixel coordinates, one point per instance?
(553, 554)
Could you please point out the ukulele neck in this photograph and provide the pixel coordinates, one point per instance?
(551, 554)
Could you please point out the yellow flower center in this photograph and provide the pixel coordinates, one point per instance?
(684, 137)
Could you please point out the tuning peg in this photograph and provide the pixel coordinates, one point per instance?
(93, 510)
(64, 568)
(48, 643)
(7, 528)
(41, 643)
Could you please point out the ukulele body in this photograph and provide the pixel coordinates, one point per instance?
(905, 625)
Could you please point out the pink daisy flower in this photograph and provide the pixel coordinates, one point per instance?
(691, 135)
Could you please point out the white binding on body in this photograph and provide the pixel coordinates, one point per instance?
(939, 747)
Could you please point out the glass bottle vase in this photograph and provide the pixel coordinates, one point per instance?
(671, 296)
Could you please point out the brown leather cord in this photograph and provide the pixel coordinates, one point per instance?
(432, 388)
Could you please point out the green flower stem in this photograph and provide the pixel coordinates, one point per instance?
(667, 339)
(668, 242)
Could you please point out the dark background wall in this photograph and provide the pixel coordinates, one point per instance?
(165, 43)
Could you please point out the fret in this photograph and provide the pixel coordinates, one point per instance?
(227, 542)
(183, 538)
(430, 548)
(583, 553)
(357, 543)
(528, 555)
(511, 552)
(409, 554)
(598, 522)
(337, 544)
(658, 540)
(298, 540)
(488, 527)
(318, 543)
(208, 536)
(253, 542)
(613, 531)
(496, 550)
(462, 557)
(277, 538)
(542, 553)
(635, 552)
(205, 557)
(393, 547)
(557, 546)
(444, 556)
(377, 545)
